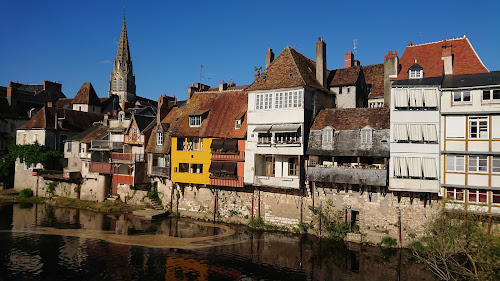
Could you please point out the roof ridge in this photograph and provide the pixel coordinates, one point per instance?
(428, 43)
(295, 63)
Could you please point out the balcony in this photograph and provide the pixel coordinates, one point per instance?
(127, 157)
(123, 179)
(232, 182)
(376, 177)
(134, 139)
(105, 145)
(101, 168)
(230, 156)
(160, 171)
(279, 182)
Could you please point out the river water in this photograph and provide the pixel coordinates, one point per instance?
(42, 242)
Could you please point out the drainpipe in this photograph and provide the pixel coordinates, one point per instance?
(253, 199)
(301, 208)
(258, 205)
(399, 226)
(215, 204)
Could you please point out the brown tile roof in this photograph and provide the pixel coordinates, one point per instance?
(277, 75)
(352, 118)
(166, 123)
(64, 103)
(345, 76)
(374, 75)
(96, 134)
(465, 59)
(76, 121)
(223, 108)
(87, 95)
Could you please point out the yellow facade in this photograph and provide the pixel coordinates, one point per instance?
(191, 156)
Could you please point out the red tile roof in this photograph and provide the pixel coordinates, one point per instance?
(223, 109)
(374, 75)
(166, 123)
(289, 69)
(87, 95)
(352, 118)
(465, 58)
(76, 121)
(345, 76)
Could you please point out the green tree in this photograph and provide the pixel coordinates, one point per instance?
(32, 154)
(459, 246)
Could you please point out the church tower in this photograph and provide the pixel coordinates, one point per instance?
(122, 81)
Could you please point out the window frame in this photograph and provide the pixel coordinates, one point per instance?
(237, 124)
(495, 164)
(479, 127)
(366, 136)
(462, 99)
(327, 135)
(184, 165)
(476, 159)
(491, 93)
(477, 193)
(448, 158)
(293, 166)
(159, 138)
(195, 121)
(455, 191)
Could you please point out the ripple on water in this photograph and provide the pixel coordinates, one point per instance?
(25, 262)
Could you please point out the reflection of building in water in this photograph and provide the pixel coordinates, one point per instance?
(180, 269)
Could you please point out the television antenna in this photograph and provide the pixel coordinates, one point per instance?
(201, 70)
(419, 37)
(355, 45)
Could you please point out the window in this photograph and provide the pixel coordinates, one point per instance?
(287, 138)
(268, 99)
(415, 73)
(25, 137)
(455, 163)
(340, 90)
(366, 136)
(496, 164)
(121, 117)
(181, 143)
(348, 90)
(401, 98)
(491, 95)
(328, 135)
(269, 166)
(237, 124)
(259, 102)
(400, 133)
(463, 96)
(121, 84)
(495, 197)
(416, 98)
(36, 138)
(159, 138)
(114, 84)
(263, 101)
(293, 166)
(429, 168)
(70, 147)
(264, 138)
(183, 167)
(278, 100)
(478, 127)
(196, 168)
(195, 121)
(455, 194)
(478, 196)
(478, 163)
(195, 143)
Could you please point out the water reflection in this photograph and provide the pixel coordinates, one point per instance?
(47, 243)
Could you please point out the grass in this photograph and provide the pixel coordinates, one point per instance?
(18, 199)
(259, 223)
(104, 207)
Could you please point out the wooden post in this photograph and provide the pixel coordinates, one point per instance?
(258, 203)
(399, 227)
(215, 205)
(253, 199)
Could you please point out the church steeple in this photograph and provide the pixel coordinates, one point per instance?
(122, 81)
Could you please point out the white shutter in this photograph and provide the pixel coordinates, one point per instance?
(401, 98)
(404, 167)
(415, 132)
(396, 163)
(495, 127)
(455, 127)
(429, 132)
(429, 167)
(400, 132)
(413, 98)
(418, 97)
(415, 167)
(430, 98)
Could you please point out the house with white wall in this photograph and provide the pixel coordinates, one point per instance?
(282, 104)
(470, 133)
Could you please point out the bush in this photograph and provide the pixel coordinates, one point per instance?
(26, 193)
(304, 227)
(388, 241)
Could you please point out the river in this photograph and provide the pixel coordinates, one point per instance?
(42, 242)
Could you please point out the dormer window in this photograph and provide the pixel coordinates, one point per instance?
(121, 116)
(237, 124)
(195, 121)
(327, 135)
(366, 135)
(416, 71)
(159, 138)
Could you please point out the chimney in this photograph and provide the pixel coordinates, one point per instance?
(391, 65)
(447, 58)
(105, 120)
(222, 86)
(256, 75)
(9, 95)
(52, 86)
(321, 62)
(191, 90)
(269, 57)
(163, 108)
(348, 59)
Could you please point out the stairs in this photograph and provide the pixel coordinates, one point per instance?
(156, 205)
(113, 198)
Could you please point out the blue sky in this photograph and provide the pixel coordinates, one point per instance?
(75, 41)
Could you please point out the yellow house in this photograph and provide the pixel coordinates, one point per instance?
(190, 158)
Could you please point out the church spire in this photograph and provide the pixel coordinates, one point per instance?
(122, 81)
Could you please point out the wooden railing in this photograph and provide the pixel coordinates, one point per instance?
(102, 168)
(129, 157)
(123, 179)
(134, 139)
(234, 156)
(232, 182)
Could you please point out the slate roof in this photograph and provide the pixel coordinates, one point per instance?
(76, 121)
(352, 118)
(345, 76)
(96, 132)
(222, 107)
(374, 76)
(64, 103)
(87, 95)
(465, 59)
(471, 80)
(277, 75)
(143, 121)
(431, 81)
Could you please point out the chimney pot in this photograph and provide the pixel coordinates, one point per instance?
(269, 57)
(348, 59)
(321, 62)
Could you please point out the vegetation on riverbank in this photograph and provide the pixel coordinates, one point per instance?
(459, 246)
(105, 207)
